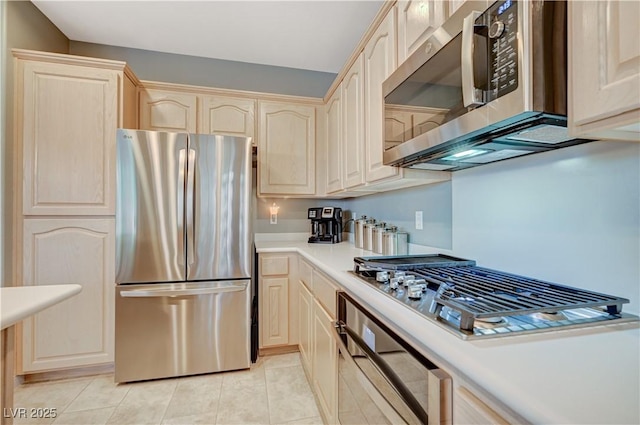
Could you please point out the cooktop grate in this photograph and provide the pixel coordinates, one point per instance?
(480, 293)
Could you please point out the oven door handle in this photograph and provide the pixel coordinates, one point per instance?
(421, 417)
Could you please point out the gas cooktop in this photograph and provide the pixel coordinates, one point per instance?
(473, 301)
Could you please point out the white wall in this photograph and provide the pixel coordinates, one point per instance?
(570, 216)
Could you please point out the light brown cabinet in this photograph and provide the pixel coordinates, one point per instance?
(325, 363)
(305, 321)
(333, 112)
(68, 109)
(353, 130)
(274, 300)
(166, 110)
(79, 331)
(604, 69)
(68, 116)
(379, 63)
(286, 149)
(233, 116)
(417, 20)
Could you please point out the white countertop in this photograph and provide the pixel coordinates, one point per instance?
(20, 302)
(577, 376)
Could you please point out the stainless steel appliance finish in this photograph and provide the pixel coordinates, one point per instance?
(381, 378)
(473, 301)
(489, 85)
(182, 217)
(394, 242)
(179, 329)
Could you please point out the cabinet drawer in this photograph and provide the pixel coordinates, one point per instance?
(306, 273)
(325, 292)
(276, 265)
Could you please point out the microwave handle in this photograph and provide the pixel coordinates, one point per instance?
(471, 96)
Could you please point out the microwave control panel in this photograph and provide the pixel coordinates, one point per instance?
(501, 20)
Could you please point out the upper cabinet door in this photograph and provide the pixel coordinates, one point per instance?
(604, 69)
(68, 120)
(379, 63)
(334, 142)
(228, 115)
(286, 149)
(353, 125)
(164, 110)
(417, 20)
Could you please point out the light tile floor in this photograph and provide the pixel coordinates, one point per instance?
(274, 391)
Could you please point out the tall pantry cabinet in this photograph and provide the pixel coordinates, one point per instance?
(68, 109)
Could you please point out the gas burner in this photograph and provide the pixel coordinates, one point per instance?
(551, 316)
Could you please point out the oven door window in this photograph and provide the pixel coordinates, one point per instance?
(388, 387)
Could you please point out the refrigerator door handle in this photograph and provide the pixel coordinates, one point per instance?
(191, 171)
(151, 293)
(180, 213)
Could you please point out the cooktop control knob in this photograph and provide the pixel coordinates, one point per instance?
(394, 283)
(382, 276)
(409, 280)
(414, 292)
(496, 29)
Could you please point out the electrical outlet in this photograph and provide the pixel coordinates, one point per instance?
(419, 220)
(274, 219)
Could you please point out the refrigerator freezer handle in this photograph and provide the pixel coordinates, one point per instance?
(191, 171)
(180, 213)
(151, 293)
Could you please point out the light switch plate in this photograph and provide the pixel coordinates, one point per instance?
(419, 220)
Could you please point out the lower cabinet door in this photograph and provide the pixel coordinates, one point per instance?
(325, 364)
(305, 320)
(274, 314)
(78, 331)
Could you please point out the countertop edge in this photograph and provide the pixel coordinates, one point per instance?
(20, 302)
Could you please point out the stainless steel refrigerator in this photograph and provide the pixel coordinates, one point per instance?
(183, 254)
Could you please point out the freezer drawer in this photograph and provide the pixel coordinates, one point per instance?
(165, 330)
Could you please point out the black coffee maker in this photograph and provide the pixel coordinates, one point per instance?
(326, 224)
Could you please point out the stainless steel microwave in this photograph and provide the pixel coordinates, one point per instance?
(489, 85)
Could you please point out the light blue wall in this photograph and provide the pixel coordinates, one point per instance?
(571, 216)
(399, 207)
(183, 69)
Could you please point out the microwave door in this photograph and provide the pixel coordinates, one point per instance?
(150, 207)
(218, 207)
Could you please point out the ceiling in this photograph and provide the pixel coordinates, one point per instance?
(303, 34)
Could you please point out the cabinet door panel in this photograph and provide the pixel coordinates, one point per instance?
(69, 122)
(353, 125)
(168, 111)
(334, 143)
(78, 331)
(275, 311)
(228, 115)
(417, 20)
(380, 61)
(286, 152)
(305, 318)
(604, 69)
(325, 363)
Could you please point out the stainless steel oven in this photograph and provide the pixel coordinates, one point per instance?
(382, 379)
